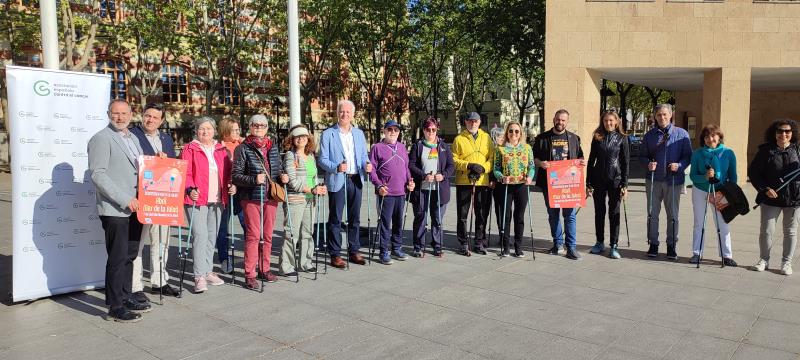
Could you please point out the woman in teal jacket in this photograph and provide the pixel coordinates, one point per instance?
(711, 163)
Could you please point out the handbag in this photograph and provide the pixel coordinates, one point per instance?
(276, 192)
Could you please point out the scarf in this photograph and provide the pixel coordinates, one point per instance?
(434, 152)
(262, 144)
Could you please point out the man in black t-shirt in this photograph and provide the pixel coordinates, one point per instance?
(553, 145)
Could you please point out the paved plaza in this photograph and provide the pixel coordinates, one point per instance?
(482, 307)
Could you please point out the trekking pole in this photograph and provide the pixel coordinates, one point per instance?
(625, 211)
(503, 231)
(369, 219)
(403, 222)
(188, 244)
(377, 236)
(231, 233)
(674, 211)
(650, 203)
(492, 207)
(471, 223)
(439, 218)
(161, 266)
(180, 251)
(530, 220)
(325, 212)
(786, 180)
(703, 229)
(347, 219)
(425, 215)
(716, 221)
(291, 234)
(260, 267)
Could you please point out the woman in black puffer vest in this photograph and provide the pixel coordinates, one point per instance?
(773, 165)
(607, 175)
(249, 174)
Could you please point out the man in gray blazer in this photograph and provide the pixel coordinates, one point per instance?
(112, 163)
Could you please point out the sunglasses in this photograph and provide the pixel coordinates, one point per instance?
(513, 131)
(783, 131)
(432, 130)
(393, 129)
(258, 126)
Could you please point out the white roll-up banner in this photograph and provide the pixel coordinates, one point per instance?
(58, 242)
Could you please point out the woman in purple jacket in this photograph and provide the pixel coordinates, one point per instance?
(392, 178)
(431, 165)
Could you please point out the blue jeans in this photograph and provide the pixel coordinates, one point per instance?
(223, 251)
(555, 224)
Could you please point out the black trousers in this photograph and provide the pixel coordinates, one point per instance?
(122, 246)
(600, 195)
(483, 202)
(516, 201)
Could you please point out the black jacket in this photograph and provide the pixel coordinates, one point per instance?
(541, 151)
(608, 162)
(769, 164)
(167, 145)
(247, 163)
(447, 168)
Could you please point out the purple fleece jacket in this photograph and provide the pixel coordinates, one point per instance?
(390, 167)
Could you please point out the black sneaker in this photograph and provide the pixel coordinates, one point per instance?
(573, 254)
(695, 259)
(652, 251)
(123, 315)
(729, 262)
(138, 307)
(166, 290)
(518, 253)
(289, 274)
(139, 296)
(671, 254)
(311, 270)
(503, 253)
(556, 250)
(480, 250)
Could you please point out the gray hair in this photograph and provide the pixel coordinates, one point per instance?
(662, 106)
(345, 102)
(205, 119)
(258, 119)
(119, 101)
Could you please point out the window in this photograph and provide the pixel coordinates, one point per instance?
(119, 82)
(108, 9)
(174, 86)
(229, 93)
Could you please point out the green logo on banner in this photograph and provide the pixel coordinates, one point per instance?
(41, 88)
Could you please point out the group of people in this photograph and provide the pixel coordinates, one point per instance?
(250, 177)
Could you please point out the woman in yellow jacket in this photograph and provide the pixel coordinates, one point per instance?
(473, 153)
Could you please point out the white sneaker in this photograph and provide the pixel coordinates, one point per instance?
(226, 266)
(761, 265)
(786, 268)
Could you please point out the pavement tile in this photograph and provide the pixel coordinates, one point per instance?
(499, 340)
(775, 335)
(648, 339)
(617, 354)
(600, 329)
(747, 352)
(673, 315)
(420, 318)
(702, 347)
(246, 346)
(789, 291)
(725, 325)
(547, 317)
(782, 310)
(740, 303)
(467, 298)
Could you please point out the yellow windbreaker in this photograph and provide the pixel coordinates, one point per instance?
(469, 150)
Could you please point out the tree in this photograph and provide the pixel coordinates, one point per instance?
(375, 41)
(150, 35)
(79, 25)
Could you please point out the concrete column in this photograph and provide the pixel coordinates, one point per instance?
(726, 102)
(294, 63)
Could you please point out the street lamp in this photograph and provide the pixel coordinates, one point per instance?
(276, 105)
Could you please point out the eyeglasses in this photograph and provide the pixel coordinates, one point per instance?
(431, 130)
(258, 126)
(393, 129)
(513, 131)
(783, 131)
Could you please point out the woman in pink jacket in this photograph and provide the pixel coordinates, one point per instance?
(208, 182)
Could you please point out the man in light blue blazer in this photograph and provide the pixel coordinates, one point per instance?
(343, 158)
(113, 154)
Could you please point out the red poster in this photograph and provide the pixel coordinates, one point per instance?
(566, 186)
(161, 191)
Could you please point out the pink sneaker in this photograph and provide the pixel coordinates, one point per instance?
(200, 284)
(213, 279)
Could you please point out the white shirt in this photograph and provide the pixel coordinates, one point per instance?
(349, 146)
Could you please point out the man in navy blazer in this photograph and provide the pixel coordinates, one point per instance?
(343, 158)
(154, 143)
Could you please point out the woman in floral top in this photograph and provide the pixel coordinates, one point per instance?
(514, 171)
